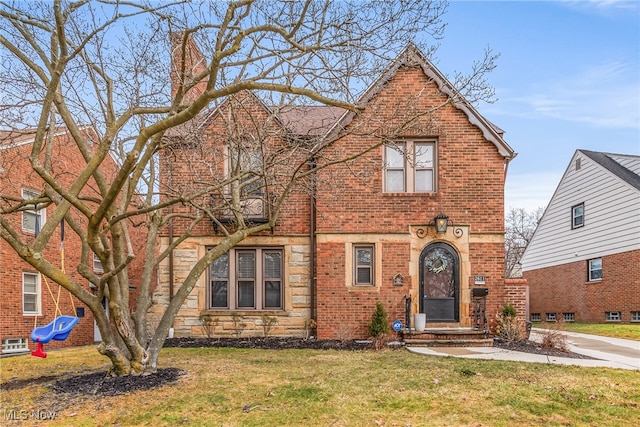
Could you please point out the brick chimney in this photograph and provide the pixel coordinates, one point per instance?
(194, 63)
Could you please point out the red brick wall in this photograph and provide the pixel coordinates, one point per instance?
(189, 167)
(565, 289)
(350, 200)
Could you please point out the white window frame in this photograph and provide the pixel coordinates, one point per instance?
(14, 345)
(259, 280)
(357, 267)
(37, 294)
(569, 317)
(551, 317)
(535, 317)
(591, 277)
(97, 264)
(575, 216)
(635, 316)
(613, 316)
(38, 214)
(410, 166)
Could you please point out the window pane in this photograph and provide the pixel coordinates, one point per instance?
(272, 265)
(395, 181)
(246, 294)
(424, 180)
(363, 256)
(220, 267)
(29, 221)
(219, 294)
(272, 294)
(30, 304)
(364, 275)
(424, 156)
(394, 156)
(246, 265)
(595, 269)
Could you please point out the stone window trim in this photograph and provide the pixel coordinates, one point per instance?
(577, 216)
(410, 166)
(349, 276)
(246, 281)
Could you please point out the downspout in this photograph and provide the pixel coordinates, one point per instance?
(171, 329)
(312, 243)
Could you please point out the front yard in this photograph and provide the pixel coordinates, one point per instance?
(249, 387)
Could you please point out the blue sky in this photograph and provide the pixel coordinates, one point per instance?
(568, 77)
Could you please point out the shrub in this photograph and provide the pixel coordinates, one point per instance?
(508, 326)
(379, 324)
(208, 324)
(267, 323)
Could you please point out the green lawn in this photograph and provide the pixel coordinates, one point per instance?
(239, 387)
(615, 330)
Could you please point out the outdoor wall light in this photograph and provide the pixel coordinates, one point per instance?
(441, 221)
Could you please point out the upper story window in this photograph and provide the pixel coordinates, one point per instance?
(32, 219)
(595, 269)
(30, 293)
(577, 216)
(410, 167)
(247, 279)
(97, 264)
(363, 262)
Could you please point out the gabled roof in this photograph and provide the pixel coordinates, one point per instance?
(607, 161)
(411, 56)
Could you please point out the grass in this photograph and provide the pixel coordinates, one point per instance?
(239, 387)
(615, 330)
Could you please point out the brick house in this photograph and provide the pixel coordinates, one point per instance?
(28, 298)
(583, 262)
(358, 232)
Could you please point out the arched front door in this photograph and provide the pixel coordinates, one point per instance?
(439, 283)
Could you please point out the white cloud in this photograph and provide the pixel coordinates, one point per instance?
(601, 96)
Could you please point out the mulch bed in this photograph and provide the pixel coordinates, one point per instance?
(102, 384)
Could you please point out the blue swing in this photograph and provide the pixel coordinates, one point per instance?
(61, 326)
(58, 330)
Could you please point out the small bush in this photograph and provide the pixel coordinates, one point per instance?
(554, 338)
(379, 324)
(267, 323)
(208, 324)
(508, 326)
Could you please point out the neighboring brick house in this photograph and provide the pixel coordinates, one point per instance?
(583, 262)
(26, 298)
(366, 232)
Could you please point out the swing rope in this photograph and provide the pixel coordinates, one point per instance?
(56, 300)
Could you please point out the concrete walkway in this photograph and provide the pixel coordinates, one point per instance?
(610, 352)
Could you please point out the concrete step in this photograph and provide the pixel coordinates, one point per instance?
(476, 342)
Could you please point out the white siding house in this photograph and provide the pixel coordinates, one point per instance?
(583, 257)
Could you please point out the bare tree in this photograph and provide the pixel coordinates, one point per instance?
(105, 65)
(520, 225)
